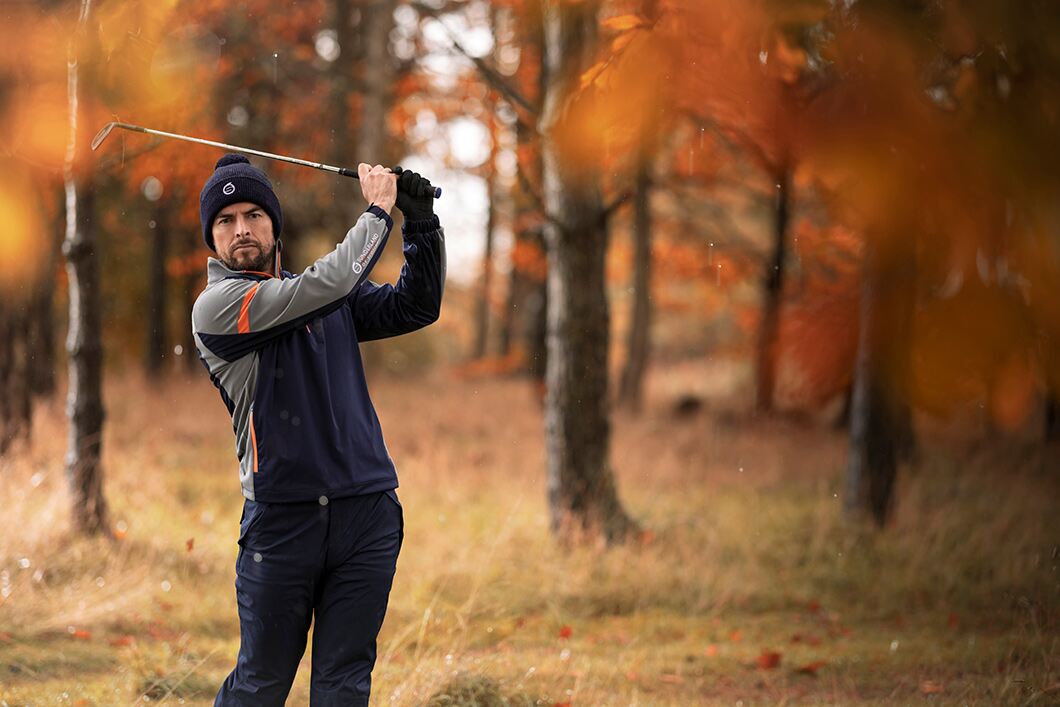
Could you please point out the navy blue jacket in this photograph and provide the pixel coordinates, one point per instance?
(283, 353)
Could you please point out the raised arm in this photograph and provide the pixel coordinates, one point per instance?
(381, 311)
(235, 316)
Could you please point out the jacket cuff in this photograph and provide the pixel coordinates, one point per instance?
(378, 211)
(423, 226)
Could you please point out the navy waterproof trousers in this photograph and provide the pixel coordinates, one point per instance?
(331, 562)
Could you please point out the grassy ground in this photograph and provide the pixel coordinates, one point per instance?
(747, 588)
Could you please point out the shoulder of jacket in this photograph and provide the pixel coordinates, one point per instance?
(219, 295)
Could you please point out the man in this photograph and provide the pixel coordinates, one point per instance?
(321, 525)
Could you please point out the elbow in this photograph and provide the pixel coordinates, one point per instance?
(430, 316)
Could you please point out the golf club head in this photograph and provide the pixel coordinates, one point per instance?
(102, 135)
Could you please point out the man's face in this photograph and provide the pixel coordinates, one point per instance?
(242, 234)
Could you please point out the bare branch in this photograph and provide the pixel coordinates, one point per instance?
(493, 77)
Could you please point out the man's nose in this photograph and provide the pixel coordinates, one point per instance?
(242, 225)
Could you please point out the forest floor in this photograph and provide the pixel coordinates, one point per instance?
(747, 587)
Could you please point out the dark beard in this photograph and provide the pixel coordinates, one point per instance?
(263, 263)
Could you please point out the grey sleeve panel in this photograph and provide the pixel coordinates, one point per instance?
(238, 380)
(241, 306)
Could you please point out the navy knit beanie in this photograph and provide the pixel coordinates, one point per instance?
(234, 180)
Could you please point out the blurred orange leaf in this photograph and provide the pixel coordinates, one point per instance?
(81, 635)
(566, 632)
(190, 544)
(122, 641)
(768, 660)
(623, 22)
(712, 650)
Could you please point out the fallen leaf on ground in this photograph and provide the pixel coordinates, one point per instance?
(810, 668)
(712, 650)
(930, 687)
(191, 544)
(81, 634)
(565, 632)
(768, 660)
(121, 641)
(735, 636)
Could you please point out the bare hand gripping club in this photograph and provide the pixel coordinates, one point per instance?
(102, 135)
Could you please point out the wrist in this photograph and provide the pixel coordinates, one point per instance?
(386, 206)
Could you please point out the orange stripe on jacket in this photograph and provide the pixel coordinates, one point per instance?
(243, 325)
(254, 441)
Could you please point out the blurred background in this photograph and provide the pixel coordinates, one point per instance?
(746, 386)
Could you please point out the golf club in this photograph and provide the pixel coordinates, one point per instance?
(102, 135)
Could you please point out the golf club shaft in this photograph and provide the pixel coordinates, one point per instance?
(236, 148)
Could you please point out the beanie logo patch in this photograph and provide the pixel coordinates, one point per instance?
(229, 188)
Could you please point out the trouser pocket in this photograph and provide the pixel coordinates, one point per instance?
(392, 495)
(251, 517)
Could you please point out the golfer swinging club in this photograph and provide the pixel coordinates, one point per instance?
(321, 525)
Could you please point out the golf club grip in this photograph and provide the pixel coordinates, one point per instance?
(347, 172)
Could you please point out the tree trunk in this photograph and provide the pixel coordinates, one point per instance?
(581, 488)
(343, 120)
(15, 392)
(377, 21)
(482, 314)
(1052, 418)
(772, 291)
(83, 344)
(157, 293)
(42, 335)
(880, 418)
(190, 280)
(631, 389)
(375, 69)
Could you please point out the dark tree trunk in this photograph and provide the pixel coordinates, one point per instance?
(581, 487)
(482, 315)
(158, 293)
(190, 279)
(42, 336)
(343, 120)
(375, 69)
(377, 21)
(880, 417)
(536, 313)
(83, 345)
(631, 389)
(1052, 418)
(772, 291)
(15, 392)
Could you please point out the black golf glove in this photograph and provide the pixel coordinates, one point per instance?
(415, 196)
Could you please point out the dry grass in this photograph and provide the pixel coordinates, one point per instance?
(747, 553)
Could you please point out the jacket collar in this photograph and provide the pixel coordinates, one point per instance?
(217, 271)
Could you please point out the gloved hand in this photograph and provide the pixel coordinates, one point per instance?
(415, 196)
